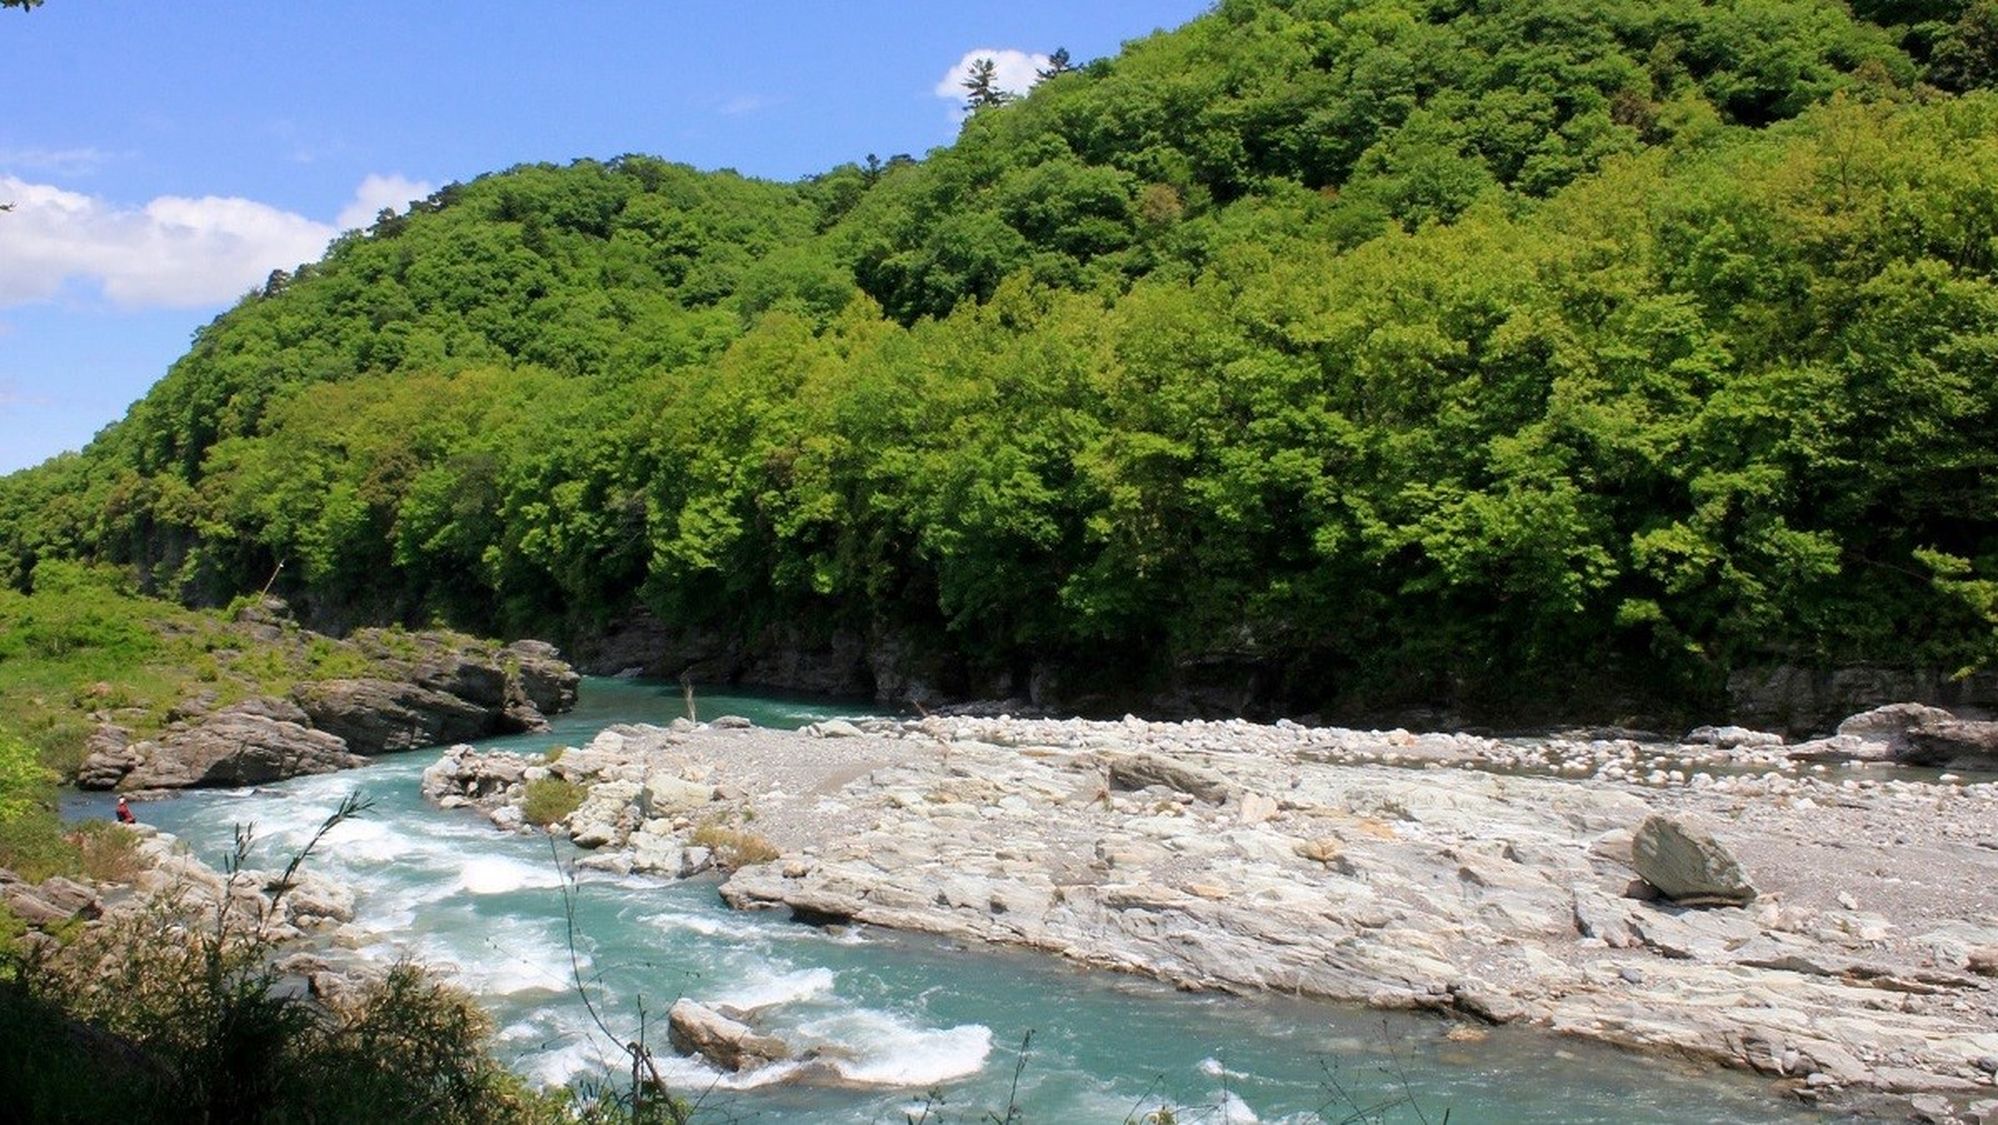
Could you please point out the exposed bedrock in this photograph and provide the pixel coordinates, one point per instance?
(1829, 926)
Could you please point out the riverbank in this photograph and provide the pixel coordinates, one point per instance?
(1490, 879)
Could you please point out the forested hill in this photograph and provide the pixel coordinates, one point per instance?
(1385, 349)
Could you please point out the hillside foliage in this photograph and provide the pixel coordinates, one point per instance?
(1403, 348)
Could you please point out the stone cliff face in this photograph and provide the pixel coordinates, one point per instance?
(1812, 700)
(420, 689)
(896, 667)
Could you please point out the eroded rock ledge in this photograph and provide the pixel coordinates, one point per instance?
(412, 689)
(1492, 879)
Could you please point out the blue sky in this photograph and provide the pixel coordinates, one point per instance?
(162, 157)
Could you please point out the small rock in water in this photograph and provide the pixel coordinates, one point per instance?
(1932, 1107)
(695, 1029)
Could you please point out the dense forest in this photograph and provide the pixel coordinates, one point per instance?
(1396, 349)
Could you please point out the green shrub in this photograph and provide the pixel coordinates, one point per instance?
(108, 852)
(23, 781)
(33, 846)
(328, 659)
(63, 739)
(172, 1011)
(549, 799)
(410, 1048)
(732, 847)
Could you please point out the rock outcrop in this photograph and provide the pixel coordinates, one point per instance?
(1917, 734)
(1483, 877)
(1811, 700)
(426, 689)
(237, 746)
(1960, 743)
(50, 903)
(448, 689)
(696, 1029)
(545, 679)
(377, 716)
(108, 756)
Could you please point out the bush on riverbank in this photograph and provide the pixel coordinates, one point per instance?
(175, 1008)
(732, 847)
(547, 800)
(32, 843)
(184, 1038)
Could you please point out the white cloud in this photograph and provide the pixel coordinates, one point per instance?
(1013, 70)
(13, 397)
(174, 252)
(60, 161)
(378, 192)
(746, 103)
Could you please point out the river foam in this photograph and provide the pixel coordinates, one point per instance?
(764, 986)
(497, 875)
(884, 1049)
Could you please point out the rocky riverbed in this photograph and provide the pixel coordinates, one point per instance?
(1835, 925)
(165, 889)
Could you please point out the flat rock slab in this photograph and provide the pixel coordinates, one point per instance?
(1348, 865)
(237, 748)
(1687, 864)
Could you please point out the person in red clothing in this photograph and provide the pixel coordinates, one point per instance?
(125, 813)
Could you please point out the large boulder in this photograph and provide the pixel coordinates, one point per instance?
(1888, 727)
(1731, 738)
(546, 681)
(1956, 742)
(108, 756)
(1917, 734)
(656, 854)
(668, 793)
(236, 747)
(696, 1029)
(1687, 864)
(1841, 748)
(607, 815)
(376, 716)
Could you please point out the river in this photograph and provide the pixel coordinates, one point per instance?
(915, 1023)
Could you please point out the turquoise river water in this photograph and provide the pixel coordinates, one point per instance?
(912, 1018)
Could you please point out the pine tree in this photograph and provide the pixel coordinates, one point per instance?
(1057, 64)
(982, 84)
